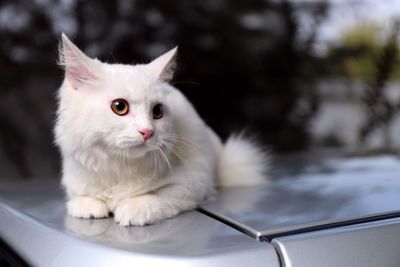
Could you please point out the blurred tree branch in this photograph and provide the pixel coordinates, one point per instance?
(379, 109)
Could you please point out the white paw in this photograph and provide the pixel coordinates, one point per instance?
(142, 210)
(87, 207)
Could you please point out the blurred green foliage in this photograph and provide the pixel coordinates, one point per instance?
(356, 53)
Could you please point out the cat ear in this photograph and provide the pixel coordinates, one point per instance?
(79, 68)
(164, 66)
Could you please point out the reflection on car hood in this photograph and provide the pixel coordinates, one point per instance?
(327, 194)
(33, 221)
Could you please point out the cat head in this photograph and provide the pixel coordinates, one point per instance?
(119, 108)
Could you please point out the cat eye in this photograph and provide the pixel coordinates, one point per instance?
(120, 106)
(158, 112)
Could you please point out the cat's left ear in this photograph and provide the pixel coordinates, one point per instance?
(79, 68)
(164, 66)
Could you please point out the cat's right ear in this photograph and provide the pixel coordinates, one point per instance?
(164, 66)
(79, 68)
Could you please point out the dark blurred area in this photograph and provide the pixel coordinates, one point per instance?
(296, 74)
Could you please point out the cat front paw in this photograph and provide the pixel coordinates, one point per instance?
(87, 207)
(143, 210)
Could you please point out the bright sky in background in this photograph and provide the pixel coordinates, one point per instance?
(348, 13)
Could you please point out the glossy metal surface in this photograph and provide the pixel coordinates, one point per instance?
(33, 221)
(367, 245)
(332, 191)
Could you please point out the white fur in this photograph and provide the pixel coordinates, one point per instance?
(241, 163)
(107, 168)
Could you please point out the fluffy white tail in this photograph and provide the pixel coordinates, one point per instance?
(242, 163)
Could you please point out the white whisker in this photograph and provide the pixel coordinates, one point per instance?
(177, 138)
(126, 163)
(116, 161)
(166, 160)
(180, 157)
(155, 165)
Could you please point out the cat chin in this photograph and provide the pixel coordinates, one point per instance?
(136, 145)
(135, 151)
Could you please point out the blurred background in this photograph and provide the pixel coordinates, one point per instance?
(300, 75)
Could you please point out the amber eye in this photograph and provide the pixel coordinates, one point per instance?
(120, 106)
(158, 112)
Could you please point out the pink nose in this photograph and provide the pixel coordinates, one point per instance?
(147, 133)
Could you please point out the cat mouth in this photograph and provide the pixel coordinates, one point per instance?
(133, 145)
(137, 144)
(141, 144)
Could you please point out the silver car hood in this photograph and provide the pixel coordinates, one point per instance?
(327, 194)
(34, 223)
(289, 213)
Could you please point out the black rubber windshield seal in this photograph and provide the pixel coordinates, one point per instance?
(301, 229)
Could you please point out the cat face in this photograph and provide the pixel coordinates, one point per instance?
(135, 110)
(123, 109)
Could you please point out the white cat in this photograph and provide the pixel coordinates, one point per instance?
(133, 145)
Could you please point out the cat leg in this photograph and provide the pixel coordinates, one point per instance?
(87, 207)
(83, 203)
(153, 207)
